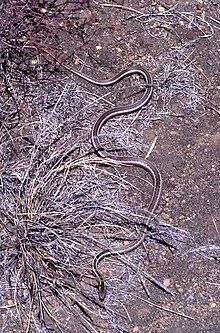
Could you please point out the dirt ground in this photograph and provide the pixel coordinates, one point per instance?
(178, 43)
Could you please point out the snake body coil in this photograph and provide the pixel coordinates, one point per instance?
(149, 167)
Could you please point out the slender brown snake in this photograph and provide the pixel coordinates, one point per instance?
(122, 160)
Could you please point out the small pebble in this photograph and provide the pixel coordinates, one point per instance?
(212, 305)
(43, 10)
(165, 216)
(98, 47)
(166, 282)
(161, 9)
(10, 302)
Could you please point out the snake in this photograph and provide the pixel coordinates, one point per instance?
(139, 162)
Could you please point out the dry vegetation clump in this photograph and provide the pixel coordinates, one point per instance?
(59, 207)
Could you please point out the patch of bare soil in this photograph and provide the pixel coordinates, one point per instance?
(61, 204)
